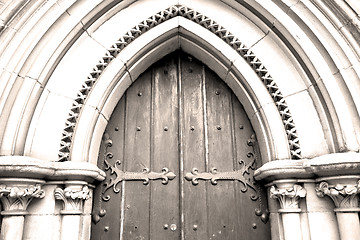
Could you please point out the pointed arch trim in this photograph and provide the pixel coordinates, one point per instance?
(178, 11)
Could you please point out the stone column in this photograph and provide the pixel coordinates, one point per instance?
(288, 195)
(344, 193)
(15, 196)
(73, 197)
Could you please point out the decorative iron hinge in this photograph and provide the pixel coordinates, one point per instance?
(214, 176)
(146, 175)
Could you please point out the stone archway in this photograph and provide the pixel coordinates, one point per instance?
(310, 49)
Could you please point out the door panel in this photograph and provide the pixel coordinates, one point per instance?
(193, 147)
(136, 151)
(222, 204)
(165, 151)
(181, 160)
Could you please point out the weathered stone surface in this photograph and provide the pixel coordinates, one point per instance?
(27, 167)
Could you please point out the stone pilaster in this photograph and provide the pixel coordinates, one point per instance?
(15, 196)
(289, 194)
(343, 190)
(73, 197)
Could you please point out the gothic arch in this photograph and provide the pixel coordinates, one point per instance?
(309, 48)
(194, 38)
(42, 70)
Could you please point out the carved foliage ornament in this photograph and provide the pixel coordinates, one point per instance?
(288, 197)
(72, 199)
(211, 25)
(18, 198)
(344, 196)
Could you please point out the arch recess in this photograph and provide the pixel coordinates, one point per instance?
(47, 69)
(180, 22)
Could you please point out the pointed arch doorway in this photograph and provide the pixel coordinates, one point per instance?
(179, 153)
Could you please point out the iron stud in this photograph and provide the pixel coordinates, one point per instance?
(254, 226)
(173, 227)
(241, 127)
(166, 129)
(116, 129)
(138, 129)
(217, 92)
(102, 212)
(218, 127)
(106, 228)
(195, 227)
(139, 94)
(192, 128)
(166, 226)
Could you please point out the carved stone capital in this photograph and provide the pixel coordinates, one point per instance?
(288, 196)
(15, 199)
(345, 196)
(73, 199)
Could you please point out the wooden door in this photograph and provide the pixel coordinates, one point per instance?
(179, 153)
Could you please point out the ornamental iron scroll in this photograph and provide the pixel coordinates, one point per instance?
(146, 175)
(206, 22)
(214, 176)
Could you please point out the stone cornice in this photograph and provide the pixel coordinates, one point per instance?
(27, 167)
(323, 166)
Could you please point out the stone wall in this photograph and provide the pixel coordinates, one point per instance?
(294, 65)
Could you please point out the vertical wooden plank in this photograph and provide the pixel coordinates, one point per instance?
(137, 157)
(213, 132)
(250, 225)
(222, 209)
(195, 206)
(164, 212)
(107, 226)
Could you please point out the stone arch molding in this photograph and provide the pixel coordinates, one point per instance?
(182, 28)
(310, 62)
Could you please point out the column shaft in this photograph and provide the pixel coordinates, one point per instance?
(12, 227)
(70, 227)
(291, 224)
(349, 225)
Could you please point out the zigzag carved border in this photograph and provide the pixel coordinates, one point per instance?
(211, 25)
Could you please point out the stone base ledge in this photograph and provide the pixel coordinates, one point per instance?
(322, 166)
(28, 167)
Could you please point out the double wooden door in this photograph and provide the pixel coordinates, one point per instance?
(179, 153)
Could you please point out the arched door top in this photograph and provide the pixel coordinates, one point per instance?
(179, 33)
(177, 144)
